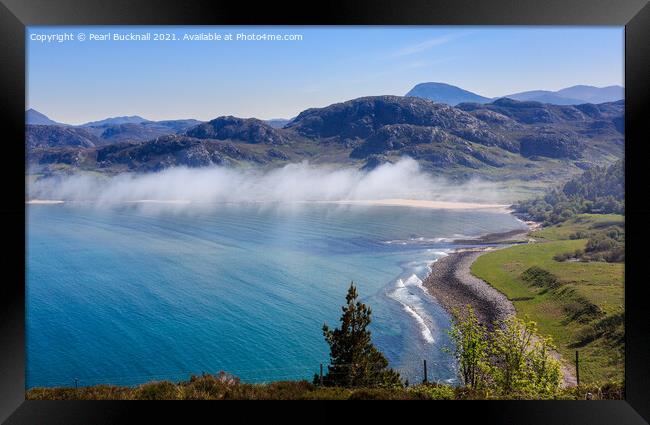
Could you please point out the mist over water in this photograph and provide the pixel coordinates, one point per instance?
(291, 183)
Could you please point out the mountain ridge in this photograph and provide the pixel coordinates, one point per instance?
(33, 117)
(503, 139)
(445, 93)
(573, 95)
(125, 119)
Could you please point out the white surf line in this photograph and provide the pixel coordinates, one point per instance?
(397, 295)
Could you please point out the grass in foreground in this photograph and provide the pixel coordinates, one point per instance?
(226, 387)
(579, 304)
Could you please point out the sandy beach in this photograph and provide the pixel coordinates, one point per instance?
(43, 201)
(411, 203)
(158, 201)
(421, 203)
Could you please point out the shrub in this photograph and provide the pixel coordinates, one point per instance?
(603, 391)
(470, 347)
(379, 394)
(540, 277)
(522, 365)
(284, 390)
(577, 307)
(578, 235)
(432, 392)
(302, 390)
(611, 327)
(563, 256)
(163, 390)
(327, 393)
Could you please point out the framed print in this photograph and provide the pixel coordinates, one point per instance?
(379, 201)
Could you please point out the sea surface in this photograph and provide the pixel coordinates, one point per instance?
(132, 293)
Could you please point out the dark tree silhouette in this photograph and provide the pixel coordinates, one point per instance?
(354, 360)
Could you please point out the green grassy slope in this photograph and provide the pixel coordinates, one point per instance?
(583, 312)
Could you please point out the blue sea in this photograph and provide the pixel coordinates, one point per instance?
(128, 294)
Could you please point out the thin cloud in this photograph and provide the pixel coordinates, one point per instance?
(425, 63)
(428, 44)
(399, 70)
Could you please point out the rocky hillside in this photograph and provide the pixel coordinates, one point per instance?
(55, 136)
(250, 130)
(499, 140)
(43, 132)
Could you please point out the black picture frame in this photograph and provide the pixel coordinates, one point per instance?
(15, 15)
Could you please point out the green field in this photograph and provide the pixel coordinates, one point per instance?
(583, 311)
(582, 222)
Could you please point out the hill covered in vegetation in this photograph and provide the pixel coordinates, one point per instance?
(599, 190)
(502, 140)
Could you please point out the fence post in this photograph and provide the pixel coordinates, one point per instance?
(577, 369)
(321, 374)
(425, 380)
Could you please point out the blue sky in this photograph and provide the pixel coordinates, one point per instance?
(79, 81)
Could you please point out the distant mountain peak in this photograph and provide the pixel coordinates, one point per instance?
(445, 93)
(33, 117)
(130, 119)
(574, 95)
(278, 122)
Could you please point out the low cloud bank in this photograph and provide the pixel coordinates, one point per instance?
(291, 183)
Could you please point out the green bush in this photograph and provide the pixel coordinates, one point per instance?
(327, 393)
(432, 392)
(521, 364)
(163, 390)
(578, 235)
(539, 277)
(603, 391)
(470, 347)
(611, 327)
(379, 394)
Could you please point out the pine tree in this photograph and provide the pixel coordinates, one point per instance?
(354, 360)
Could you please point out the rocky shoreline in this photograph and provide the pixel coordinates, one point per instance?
(454, 286)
